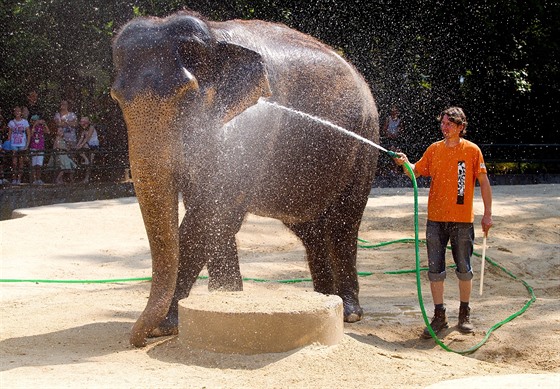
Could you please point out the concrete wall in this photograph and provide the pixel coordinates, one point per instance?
(26, 196)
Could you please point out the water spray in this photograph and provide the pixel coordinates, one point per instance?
(416, 241)
(330, 124)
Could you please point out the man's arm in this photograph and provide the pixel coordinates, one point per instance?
(486, 193)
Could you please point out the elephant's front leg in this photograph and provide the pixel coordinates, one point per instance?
(223, 266)
(210, 240)
(189, 267)
(158, 203)
(217, 250)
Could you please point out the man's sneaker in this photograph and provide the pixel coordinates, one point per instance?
(465, 326)
(439, 322)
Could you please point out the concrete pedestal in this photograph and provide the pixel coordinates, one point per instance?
(255, 322)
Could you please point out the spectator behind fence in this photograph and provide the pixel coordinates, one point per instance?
(33, 105)
(19, 137)
(2, 156)
(392, 139)
(68, 121)
(88, 140)
(60, 159)
(37, 148)
(3, 146)
(392, 130)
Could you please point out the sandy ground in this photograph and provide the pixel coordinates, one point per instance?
(76, 335)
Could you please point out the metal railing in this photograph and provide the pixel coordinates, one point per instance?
(521, 153)
(108, 164)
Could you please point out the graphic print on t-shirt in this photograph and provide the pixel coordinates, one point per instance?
(19, 137)
(461, 173)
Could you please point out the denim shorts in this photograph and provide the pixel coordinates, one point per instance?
(461, 236)
(37, 158)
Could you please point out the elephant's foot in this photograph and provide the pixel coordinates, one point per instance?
(352, 312)
(138, 337)
(140, 332)
(169, 326)
(164, 331)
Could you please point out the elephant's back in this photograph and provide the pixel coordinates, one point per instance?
(306, 74)
(266, 37)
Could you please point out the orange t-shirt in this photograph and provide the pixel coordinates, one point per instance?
(454, 171)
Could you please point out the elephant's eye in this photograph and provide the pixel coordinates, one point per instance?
(193, 58)
(190, 57)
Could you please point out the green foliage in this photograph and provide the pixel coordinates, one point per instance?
(499, 59)
(499, 168)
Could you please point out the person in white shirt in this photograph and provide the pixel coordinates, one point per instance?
(19, 136)
(88, 140)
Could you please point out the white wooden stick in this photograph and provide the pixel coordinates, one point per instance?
(483, 263)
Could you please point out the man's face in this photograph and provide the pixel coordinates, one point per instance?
(449, 128)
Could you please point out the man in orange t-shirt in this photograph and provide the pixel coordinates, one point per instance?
(454, 164)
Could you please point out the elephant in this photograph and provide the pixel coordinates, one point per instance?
(211, 115)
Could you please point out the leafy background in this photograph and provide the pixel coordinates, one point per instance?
(499, 59)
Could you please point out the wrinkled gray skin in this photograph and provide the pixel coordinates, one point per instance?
(189, 90)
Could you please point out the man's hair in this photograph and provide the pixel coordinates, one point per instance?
(455, 115)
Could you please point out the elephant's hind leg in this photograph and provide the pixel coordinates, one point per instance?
(331, 245)
(342, 222)
(343, 250)
(332, 262)
(312, 235)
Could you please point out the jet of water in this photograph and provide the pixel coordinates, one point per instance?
(327, 123)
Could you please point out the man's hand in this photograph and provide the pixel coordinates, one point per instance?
(401, 159)
(486, 223)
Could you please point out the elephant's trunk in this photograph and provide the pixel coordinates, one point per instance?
(154, 151)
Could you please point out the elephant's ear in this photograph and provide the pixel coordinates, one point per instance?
(241, 79)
